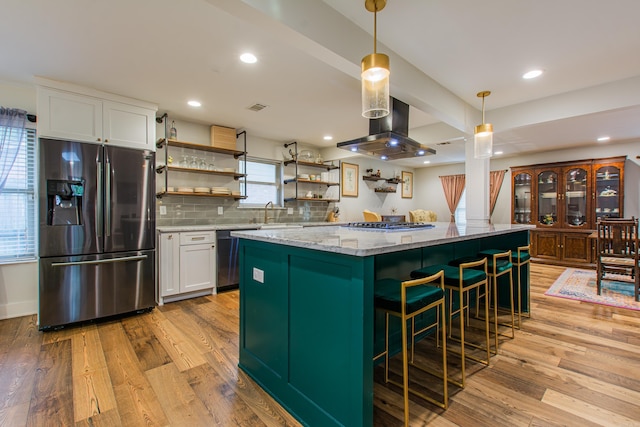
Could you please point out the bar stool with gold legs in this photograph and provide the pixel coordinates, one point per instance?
(406, 300)
(499, 263)
(463, 279)
(519, 258)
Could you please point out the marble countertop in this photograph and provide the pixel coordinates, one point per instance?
(243, 226)
(359, 242)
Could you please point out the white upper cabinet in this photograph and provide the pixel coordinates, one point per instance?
(128, 125)
(76, 116)
(69, 116)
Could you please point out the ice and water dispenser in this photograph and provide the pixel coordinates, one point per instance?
(64, 202)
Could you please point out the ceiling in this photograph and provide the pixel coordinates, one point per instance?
(442, 53)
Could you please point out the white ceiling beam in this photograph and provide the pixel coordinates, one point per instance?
(596, 99)
(325, 34)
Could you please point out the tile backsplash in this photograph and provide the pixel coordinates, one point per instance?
(192, 210)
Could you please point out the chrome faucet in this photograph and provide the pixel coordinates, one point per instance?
(266, 218)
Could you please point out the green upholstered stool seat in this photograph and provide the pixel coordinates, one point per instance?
(524, 256)
(456, 262)
(515, 256)
(387, 295)
(501, 264)
(451, 274)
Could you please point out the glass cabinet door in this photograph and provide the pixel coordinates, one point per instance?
(575, 197)
(607, 192)
(548, 197)
(522, 198)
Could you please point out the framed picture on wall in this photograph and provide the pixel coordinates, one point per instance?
(407, 185)
(349, 180)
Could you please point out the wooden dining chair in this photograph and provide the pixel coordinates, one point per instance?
(617, 251)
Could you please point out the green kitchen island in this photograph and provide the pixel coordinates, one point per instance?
(306, 307)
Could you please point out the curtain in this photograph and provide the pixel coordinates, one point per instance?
(453, 186)
(12, 123)
(495, 183)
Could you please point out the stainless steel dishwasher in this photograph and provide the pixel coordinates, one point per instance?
(228, 262)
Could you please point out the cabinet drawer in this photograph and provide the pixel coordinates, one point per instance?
(197, 237)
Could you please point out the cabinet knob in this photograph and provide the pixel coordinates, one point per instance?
(99, 139)
(106, 140)
(170, 236)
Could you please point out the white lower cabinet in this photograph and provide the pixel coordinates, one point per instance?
(186, 265)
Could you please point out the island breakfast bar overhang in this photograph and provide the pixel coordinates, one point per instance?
(306, 307)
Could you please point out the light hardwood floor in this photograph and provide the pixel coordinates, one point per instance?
(573, 364)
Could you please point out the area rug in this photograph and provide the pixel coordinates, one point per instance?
(617, 290)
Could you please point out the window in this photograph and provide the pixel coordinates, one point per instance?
(262, 182)
(18, 204)
(461, 209)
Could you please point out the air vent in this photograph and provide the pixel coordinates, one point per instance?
(257, 107)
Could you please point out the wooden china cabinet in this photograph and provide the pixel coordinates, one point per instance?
(564, 201)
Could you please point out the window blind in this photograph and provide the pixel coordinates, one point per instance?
(263, 182)
(18, 203)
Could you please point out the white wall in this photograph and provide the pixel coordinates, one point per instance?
(18, 289)
(351, 207)
(18, 282)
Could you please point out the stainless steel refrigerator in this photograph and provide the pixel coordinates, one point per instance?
(97, 231)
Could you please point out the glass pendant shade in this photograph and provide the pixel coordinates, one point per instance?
(483, 141)
(375, 85)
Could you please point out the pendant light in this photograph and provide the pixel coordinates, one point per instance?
(483, 137)
(375, 73)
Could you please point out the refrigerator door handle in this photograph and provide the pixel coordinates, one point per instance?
(99, 219)
(107, 211)
(102, 261)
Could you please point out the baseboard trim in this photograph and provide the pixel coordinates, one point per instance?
(18, 309)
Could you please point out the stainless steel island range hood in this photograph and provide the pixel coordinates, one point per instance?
(389, 137)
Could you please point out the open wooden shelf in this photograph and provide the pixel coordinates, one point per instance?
(175, 143)
(233, 175)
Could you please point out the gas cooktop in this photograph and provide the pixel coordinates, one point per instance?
(388, 226)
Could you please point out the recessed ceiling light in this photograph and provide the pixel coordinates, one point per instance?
(532, 74)
(383, 157)
(497, 153)
(194, 103)
(327, 137)
(603, 139)
(427, 162)
(248, 58)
